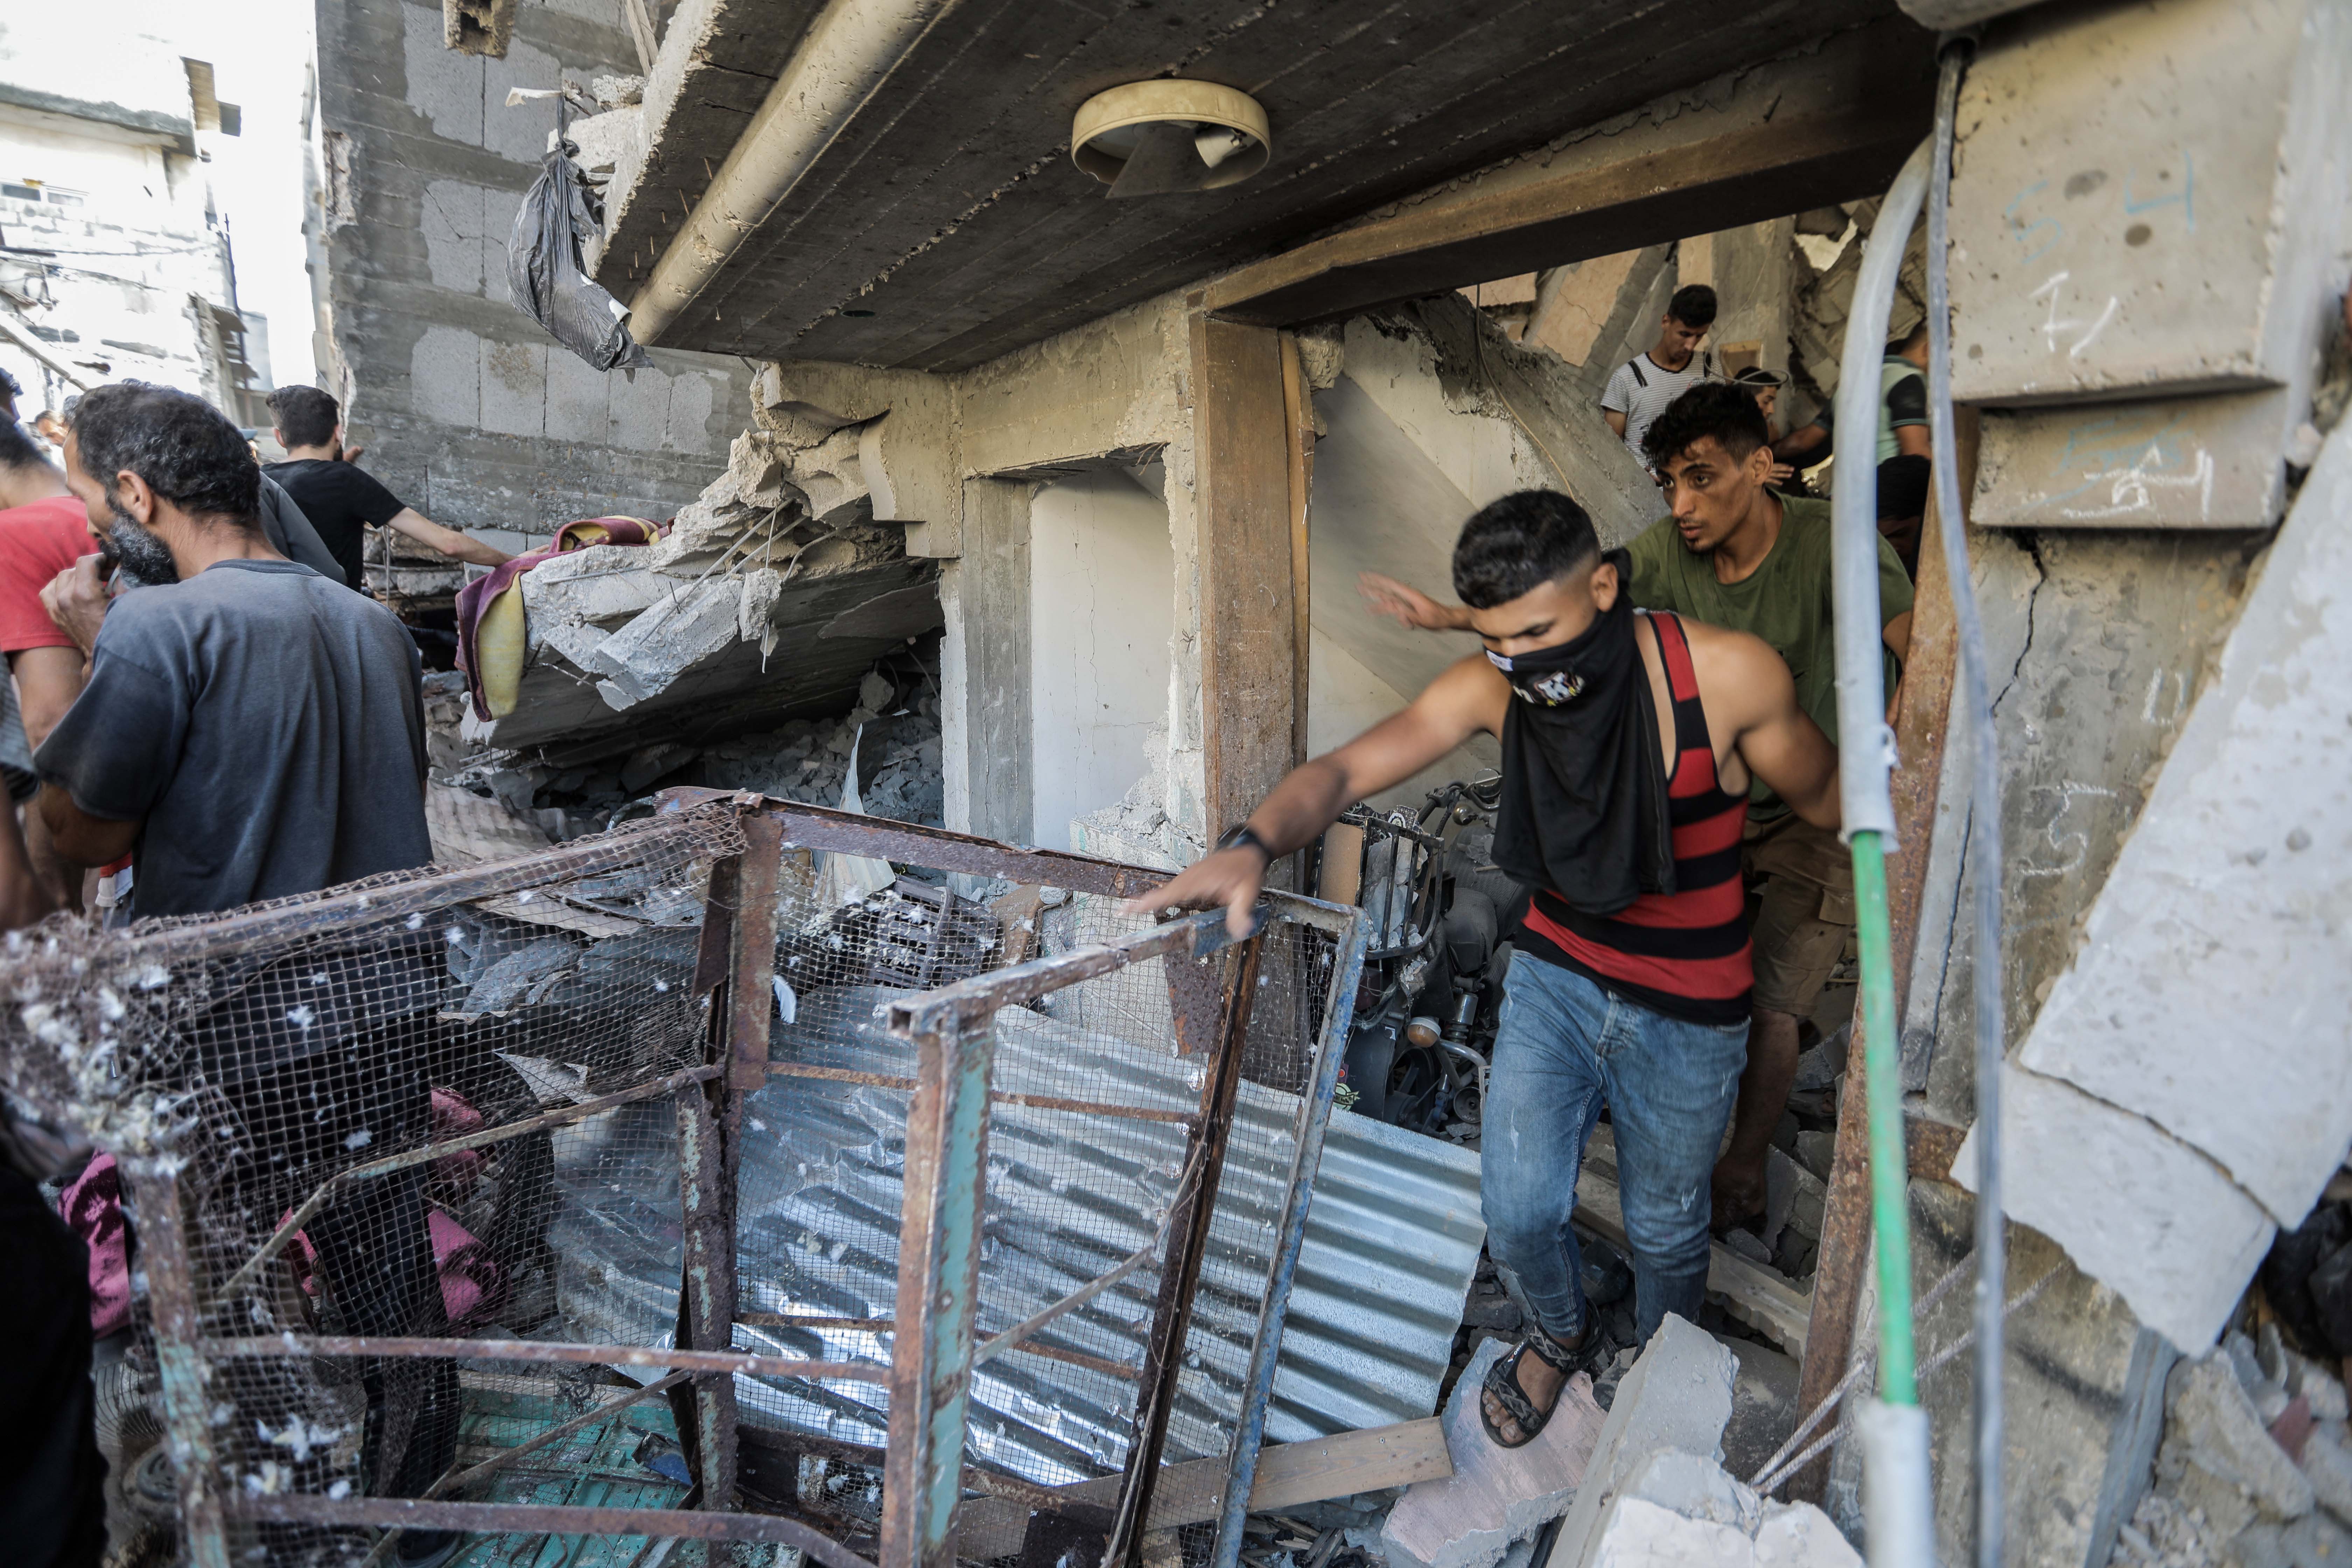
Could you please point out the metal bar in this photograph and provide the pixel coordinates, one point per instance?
(179, 1358)
(913, 1017)
(461, 1481)
(975, 1480)
(1290, 1237)
(815, 828)
(1188, 1224)
(292, 1344)
(939, 1288)
(332, 911)
(432, 1152)
(507, 1518)
(997, 1096)
(786, 1321)
(1012, 1337)
(886, 1325)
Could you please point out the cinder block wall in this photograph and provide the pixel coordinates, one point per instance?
(470, 411)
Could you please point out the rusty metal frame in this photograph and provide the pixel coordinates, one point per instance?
(929, 1375)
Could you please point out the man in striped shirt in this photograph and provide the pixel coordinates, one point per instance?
(1630, 742)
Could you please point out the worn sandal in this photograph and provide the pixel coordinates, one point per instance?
(1502, 1381)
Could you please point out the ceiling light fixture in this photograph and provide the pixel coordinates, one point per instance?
(1161, 138)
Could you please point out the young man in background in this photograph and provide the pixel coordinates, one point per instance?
(1643, 386)
(342, 500)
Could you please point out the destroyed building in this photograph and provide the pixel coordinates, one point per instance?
(1014, 506)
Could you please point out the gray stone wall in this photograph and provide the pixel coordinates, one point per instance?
(470, 410)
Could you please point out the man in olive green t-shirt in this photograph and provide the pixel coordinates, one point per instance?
(1734, 553)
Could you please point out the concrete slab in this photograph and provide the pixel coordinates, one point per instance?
(2181, 462)
(1496, 1495)
(2114, 165)
(1678, 1396)
(2201, 1030)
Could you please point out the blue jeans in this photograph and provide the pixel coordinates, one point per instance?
(1563, 1047)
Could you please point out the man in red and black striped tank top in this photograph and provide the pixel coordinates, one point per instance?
(1629, 743)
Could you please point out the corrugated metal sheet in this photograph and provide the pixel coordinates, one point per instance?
(1391, 1241)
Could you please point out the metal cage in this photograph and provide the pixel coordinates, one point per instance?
(727, 1176)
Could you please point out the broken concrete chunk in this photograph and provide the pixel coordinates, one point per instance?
(1679, 1395)
(2328, 1466)
(1799, 1535)
(2212, 1430)
(678, 632)
(1496, 1495)
(1683, 1509)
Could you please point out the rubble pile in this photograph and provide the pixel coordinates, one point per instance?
(894, 732)
(899, 760)
(2254, 1469)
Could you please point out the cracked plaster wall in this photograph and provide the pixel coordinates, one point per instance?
(470, 412)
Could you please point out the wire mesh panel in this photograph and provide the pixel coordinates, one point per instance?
(579, 1184)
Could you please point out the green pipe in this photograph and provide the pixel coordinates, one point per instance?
(1889, 1176)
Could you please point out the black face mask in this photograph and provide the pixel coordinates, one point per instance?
(1584, 810)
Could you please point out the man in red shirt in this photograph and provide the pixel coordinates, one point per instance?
(43, 530)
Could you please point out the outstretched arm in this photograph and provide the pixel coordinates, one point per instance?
(1408, 605)
(448, 540)
(1459, 703)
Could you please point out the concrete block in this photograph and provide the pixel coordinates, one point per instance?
(1799, 1535)
(1682, 1509)
(678, 632)
(1679, 1395)
(1496, 1495)
(2085, 1174)
(2134, 194)
(445, 375)
(443, 85)
(1764, 1408)
(514, 387)
(2212, 1428)
(2187, 462)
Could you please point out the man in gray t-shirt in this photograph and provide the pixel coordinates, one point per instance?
(257, 730)
(261, 727)
(1642, 387)
(253, 729)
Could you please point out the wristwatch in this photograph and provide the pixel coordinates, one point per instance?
(1241, 833)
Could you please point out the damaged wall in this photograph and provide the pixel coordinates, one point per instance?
(471, 412)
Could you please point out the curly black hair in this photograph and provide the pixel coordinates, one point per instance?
(1514, 545)
(1723, 409)
(181, 446)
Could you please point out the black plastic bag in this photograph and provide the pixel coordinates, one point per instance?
(544, 270)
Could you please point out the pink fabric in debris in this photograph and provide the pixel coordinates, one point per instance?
(454, 1118)
(92, 1207)
(473, 1287)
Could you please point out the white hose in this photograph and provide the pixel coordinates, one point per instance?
(1865, 744)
